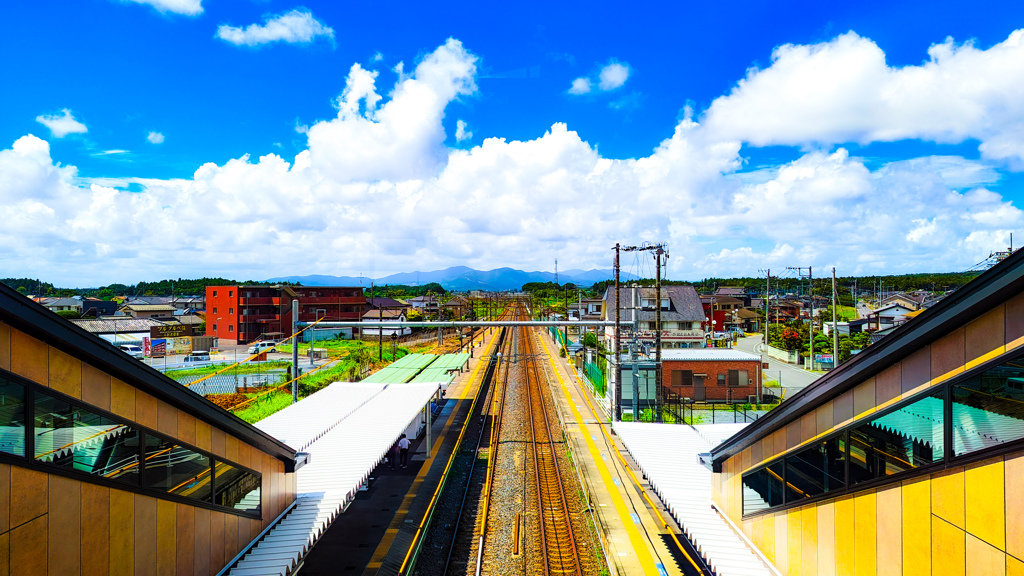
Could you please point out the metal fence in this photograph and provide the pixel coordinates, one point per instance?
(232, 383)
(596, 377)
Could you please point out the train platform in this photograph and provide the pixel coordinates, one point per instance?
(631, 518)
(375, 533)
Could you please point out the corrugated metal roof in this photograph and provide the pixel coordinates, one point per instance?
(127, 324)
(680, 354)
(684, 485)
(340, 462)
(150, 307)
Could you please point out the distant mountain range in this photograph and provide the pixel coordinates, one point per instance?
(461, 278)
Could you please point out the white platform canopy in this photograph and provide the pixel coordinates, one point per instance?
(342, 453)
(667, 454)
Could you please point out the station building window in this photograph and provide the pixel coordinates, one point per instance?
(981, 412)
(47, 431)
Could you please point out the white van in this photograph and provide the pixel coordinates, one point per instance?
(258, 347)
(133, 350)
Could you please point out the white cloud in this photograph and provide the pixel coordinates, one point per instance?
(378, 182)
(155, 138)
(62, 125)
(580, 86)
(109, 152)
(296, 27)
(378, 56)
(460, 131)
(613, 76)
(186, 7)
(843, 91)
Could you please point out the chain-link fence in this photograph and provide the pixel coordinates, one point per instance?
(232, 383)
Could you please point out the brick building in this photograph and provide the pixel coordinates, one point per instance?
(711, 374)
(244, 313)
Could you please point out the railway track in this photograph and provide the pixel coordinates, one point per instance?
(519, 508)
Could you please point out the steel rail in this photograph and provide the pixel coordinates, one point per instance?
(454, 323)
(545, 503)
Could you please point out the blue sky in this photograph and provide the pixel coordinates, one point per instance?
(155, 90)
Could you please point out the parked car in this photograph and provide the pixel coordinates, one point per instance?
(133, 350)
(259, 347)
(198, 356)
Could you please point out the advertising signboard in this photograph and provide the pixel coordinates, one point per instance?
(170, 331)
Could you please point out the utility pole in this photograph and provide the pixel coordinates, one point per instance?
(657, 338)
(617, 395)
(634, 354)
(295, 351)
(835, 323)
(810, 284)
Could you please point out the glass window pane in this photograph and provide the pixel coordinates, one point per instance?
(988, 409)
(899, 441)
(237, 488)
(817, 469)
(12, 417)
(762, 489)
(74, 438)
(176, 469)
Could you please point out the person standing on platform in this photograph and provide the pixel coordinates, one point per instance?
(403, 448)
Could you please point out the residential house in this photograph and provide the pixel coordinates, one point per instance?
(63, 304)
(385, 315)
(681, 315)
(736, 292)
(147, 310)
(457, 307)
(95, 307)
(711, 374)
(429, 305)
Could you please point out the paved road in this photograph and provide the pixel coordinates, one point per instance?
(791, 377)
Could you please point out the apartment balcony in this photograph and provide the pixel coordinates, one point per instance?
(261, 301)
(332, 301)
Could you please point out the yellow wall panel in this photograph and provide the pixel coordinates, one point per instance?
(187, 427)
(217, 558)
(889, 530)
(768, 536)
(1013, 467)
(64, 525)
(95, 387)
(184, 539)
(145, 534)
(95, 529)
(826, 524)
(166, 418)
(122, 399)
(948, 496)
(782, 542)
(166, 536)
(985, 503)
(845, 563)
(795, 545)
(145, 409)
(1014, 567)
(28, 495)
(5, 346)
(65, 373)
(809, 540)
(122, 532)
(28, 548)
(983, 559)
(203, 432)
(29, 357)
(864, 534)
(948, 554)
(5, 554)
(201, 550)
(5, 496)
(916, 531)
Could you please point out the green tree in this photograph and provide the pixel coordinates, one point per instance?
(69, 314)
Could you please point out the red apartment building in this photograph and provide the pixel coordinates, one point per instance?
(239, 314)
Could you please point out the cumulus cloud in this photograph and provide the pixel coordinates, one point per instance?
(186, 7)
(62, 125)
(844, 91)
(613, 76)
(377, 179)
(461, 133)
(580, 86)
(296, 27)
(155, 138)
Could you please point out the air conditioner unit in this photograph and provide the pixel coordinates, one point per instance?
(752, 399)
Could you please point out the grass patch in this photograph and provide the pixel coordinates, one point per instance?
(265, 406)
(333, 347)
(246, 368)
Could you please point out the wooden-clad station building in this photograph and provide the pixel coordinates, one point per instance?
(908, 459)
(109, 467)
